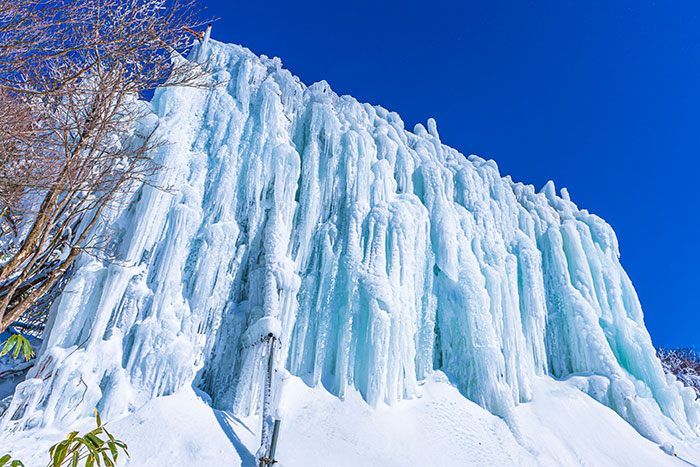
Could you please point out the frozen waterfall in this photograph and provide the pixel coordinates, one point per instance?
(376, 254)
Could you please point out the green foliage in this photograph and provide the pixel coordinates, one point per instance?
(91, 448)
(12, 463)
(19, 343)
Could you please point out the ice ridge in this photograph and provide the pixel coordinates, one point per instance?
(376, 254)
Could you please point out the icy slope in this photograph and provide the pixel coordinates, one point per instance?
(440, 427)
(376, 253)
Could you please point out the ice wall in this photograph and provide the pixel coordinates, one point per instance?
(375, 253)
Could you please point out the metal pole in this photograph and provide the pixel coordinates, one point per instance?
(267, 396)
(273, 443)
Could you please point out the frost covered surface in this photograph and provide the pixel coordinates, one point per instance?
(684, 364)
(375, 254)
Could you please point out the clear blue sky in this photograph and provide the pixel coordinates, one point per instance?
(603, 97)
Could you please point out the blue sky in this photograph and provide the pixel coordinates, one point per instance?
(603, 97)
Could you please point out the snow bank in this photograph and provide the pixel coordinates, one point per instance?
(377, 255)
(440, 427)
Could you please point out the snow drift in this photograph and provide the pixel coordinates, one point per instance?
(377, 255)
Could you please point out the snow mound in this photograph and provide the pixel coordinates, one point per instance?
(440, 427)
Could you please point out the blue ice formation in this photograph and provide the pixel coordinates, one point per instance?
(376, 254)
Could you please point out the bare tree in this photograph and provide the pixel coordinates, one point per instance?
(72, 76)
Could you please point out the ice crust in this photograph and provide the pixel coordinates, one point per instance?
(375, 254)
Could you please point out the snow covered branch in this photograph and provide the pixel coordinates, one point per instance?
(72, 134)
(684, 364)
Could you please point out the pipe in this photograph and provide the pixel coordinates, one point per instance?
(273, 443)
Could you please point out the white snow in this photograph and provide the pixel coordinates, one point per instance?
(440, 427)
(377, 256)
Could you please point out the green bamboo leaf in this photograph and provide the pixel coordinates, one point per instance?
(76, 457)
(92, 453)
(86, 442)
(4, 459)
(97, 416)
(27, 350)
(60, 454)
(54, 449)
(122, 445)
(90, 461)
(16, 464)
(90, 445)
(7, 347)
(96, 432)
(113, 449)
(63, 451)
(97, 442)
(18, 347)
(74, 447)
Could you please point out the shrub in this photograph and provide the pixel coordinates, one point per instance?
(90, 448)
(684, 363)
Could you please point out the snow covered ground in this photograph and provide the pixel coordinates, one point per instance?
(561, 426)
